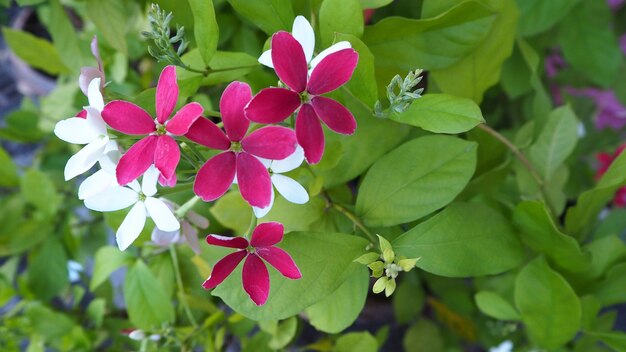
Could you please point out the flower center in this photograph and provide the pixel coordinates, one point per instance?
(251, 250)
(142, 197)
(160, 129)
(236, 147)
(392, 270)
(305, 97)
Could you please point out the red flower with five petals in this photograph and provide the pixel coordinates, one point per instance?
(273, 105)
(158, 148)
(239, 158)
(255, 277)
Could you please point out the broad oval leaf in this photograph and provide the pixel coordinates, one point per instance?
(363, 82)
(340, 16)
(539, 15)
(493, 305)
(464, 240)
(110, 17)
(270, 15)
(107, 260)
(36, 52)
(205, 29)
(415, 179)
(47, 269)
(147, 304)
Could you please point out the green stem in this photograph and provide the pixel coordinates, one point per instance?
(181, 288)
(144, 345)
(355, 220)
(179, 188)
(212, 113)
(208, 71)
(185, 208)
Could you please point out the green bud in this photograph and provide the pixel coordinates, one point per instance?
(384, 244)
(377, 268)
(367, 258)
(380, 285)
(407, 264)
(390, 286)
(388, 255)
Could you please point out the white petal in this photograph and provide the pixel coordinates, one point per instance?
(266, 59)
(191, 236)
(164, 238)
(161, 214)
(261, 212)
(114, 198)
(85, 158)
(94, 118)
(108, 161)
(289, 163)
(334, 48)
(303, 33)
(94, 96)
(266, 162)
(100, 181)
(76, 130)
(290, 189)
(131, 226)
(149, 181)
(112, 145)
(134, 185)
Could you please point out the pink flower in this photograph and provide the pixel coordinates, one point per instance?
(610, 111)
(239, 158)
(89, 73)
(605, 160)
(158, 148)
(273, 105)
(256, 279)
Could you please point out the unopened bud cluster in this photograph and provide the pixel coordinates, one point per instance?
(406, 93)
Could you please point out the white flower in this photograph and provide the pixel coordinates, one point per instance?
(291, 190)
(74, 269)
(143, 202)
(505, 346)
(304, 34)
(102, 179)
(91, 130)
(162, 238)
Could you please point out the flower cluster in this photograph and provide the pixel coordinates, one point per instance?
(253, 158)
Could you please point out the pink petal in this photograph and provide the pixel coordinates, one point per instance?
(336, 116)
(272, 105)
(310, 134)
(167, 182)
(184, 118)
(234, 99)
(230, 242)
(267, 234)
(256, 279)
(206, 133)
(223, 268)
(215, 176)
(271, 142)
(254, 181)
(333, 71)
(128, 118)
(280, 260)
(289, 61)
(166, 156)
(136, 161)
(166, 93)
(82, 114)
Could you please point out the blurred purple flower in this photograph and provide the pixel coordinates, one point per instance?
(611, 113)
(615, 4)
(622, 42)
(554, 63)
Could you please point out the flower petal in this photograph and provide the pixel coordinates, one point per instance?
(136, 160)
(87, 75)
(131, 227)
(206, 133)
(86, 158)
(304, 34)
(256, 279)
(266, 59)
(166, 156)
(336, 116)
(271, 142)
(310, 134)
(289, 61)
(290, 189)
(168, 182)
(215, 176)
(149, 181)
(100, 181)
(76, 130)
(267, 234)
(128, 118)
(225, 241)
(164, 238)
(166, 93)
(94, 118)
(289, 163)
(261, 212)
(272, 105)
(114, 198)
(223, 268)
(280, 260)
(332, 49)
(162, 216)
(255, 184)
(333, 71)
(94, 96)
(190, 235)
(197, 219)
(184, 118)
(234, 99)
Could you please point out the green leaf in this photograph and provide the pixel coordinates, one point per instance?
(106, 261)
(22, 126)
(441, 113)
(36, 52)
(615, 340)
(47, 269)
(605, 253)
(589, 43)
(325, 260)
(424, 336)
(340, 16)
(374, 4)
(547, 304)
(612, 290)
(408, 300)
(433, 162)
(401, 44)
(47, 322)
(474, 74)
(541, 234)
(205, 29)
(232, 212)
(340, 309)
(285, 332)
(493, 305)
(147, 304)
(555, 143)
(269, 15)
(456, 242)
(363, 82)
(96, 310)
(297, 217)
(64, 36)
(356, 341)
(538, 15)
(110, 19)
(38, 190)
(8, 170)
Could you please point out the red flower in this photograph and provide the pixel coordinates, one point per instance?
(273, 105)
(255, 277)
(605, 160)
(158, 148)
(239, 158)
